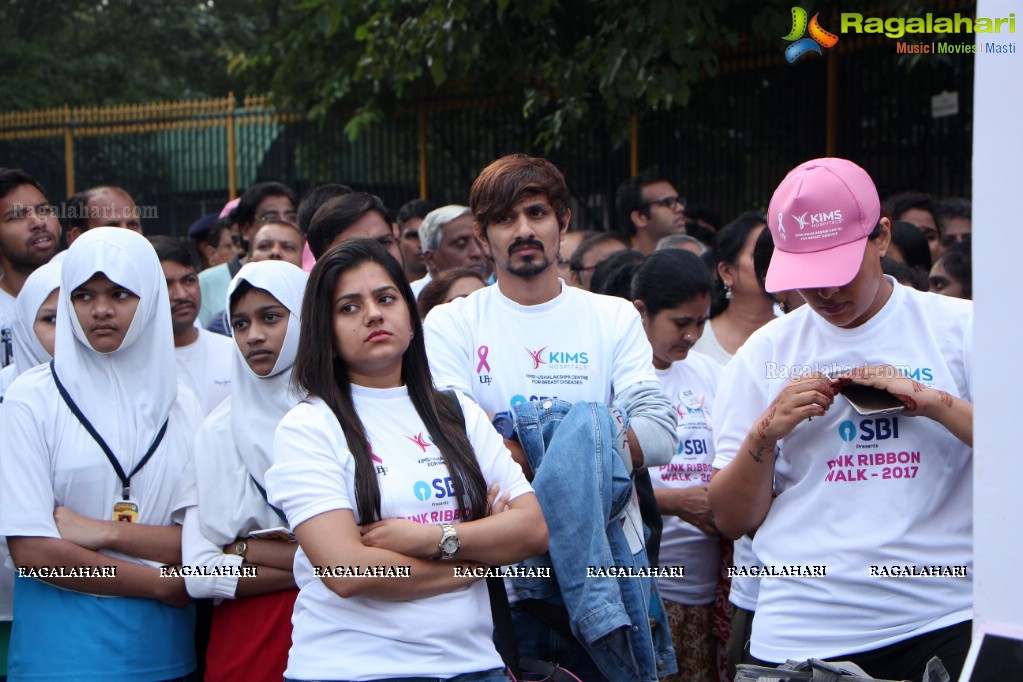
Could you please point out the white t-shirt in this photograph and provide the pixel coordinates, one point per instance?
(8, 311)
(709, 345)
(361, 638)
(205, 367)
(578, 346)
(50, 460)
(420, 284)
(7, 375)
(855, 492)
(743, 591)
(229, 507)
(691, 385)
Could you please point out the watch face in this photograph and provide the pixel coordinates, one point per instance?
(450, 544)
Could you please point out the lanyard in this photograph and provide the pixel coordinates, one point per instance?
(125, 480)
(262, 491)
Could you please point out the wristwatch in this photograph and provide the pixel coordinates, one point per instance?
(449, 542)
(240, 548)
(504, 424)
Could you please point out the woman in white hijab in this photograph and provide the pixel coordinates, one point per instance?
(253, 583)
(32, 329)
(95, 449)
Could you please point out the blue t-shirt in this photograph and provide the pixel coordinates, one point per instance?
(64, 635)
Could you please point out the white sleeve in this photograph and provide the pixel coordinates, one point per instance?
(26, 487)
(651, 414)
(741, 399)
(968, 356)
(198, 550)
(633, 355)
(449, 348)
(312, 466)
(494, 459)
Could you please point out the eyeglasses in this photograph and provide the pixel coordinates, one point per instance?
(667, 202)
(289, 217)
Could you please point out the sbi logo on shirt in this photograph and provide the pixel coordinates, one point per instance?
(880, 428)
(439, 488)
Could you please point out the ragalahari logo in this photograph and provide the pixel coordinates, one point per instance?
(801, 46)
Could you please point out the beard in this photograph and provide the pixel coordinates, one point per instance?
(27, 261)
(535, 265)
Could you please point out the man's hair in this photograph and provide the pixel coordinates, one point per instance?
(629, 198)
(708, 215)
(432, 230)
(317, 197)
(575, 263)
(436, 290)
(212, 235)
(953, 207)
(245, 213)
(337, 215)
(958, 263)
(172, 249)
(13, 178)
(76, 207)
(511, 179)
(675, 241)
(417, 208)
(898, 204)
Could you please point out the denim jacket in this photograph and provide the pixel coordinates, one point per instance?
(583, 488)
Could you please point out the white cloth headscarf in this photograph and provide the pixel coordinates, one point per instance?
(259, 403)
(126, 394)
(28, 352)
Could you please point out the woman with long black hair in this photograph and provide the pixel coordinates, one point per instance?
(385, 482)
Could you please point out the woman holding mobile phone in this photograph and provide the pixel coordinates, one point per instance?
(793, 461)
(251, 629)
(385, 482)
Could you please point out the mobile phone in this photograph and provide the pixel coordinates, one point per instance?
(278, 533)
(870, 401)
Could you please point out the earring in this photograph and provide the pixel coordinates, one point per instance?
(728, 293)
(412, 334)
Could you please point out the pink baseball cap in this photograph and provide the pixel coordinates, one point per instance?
(229, 206)
(820, 218)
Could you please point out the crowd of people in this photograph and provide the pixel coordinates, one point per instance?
(318, 439)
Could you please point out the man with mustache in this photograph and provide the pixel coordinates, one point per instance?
(532, 337)
(203, 358)
(29, 237)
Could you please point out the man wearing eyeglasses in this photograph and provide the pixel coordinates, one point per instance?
(264, 202)
(29, 238)
(649, 208)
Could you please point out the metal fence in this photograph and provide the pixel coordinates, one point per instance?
(741, 131)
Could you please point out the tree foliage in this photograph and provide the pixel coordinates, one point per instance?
(561, 61)
(94, 52)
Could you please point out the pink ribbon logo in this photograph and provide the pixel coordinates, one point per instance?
(482, 353)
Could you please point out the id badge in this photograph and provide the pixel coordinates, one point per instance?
(126, 511)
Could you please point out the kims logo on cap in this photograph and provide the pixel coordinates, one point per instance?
(820, 219)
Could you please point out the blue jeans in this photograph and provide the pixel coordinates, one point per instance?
(495, 675)
(538, 640)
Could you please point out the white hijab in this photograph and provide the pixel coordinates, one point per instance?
(127, 393)
(28, 352)
(259, 403)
